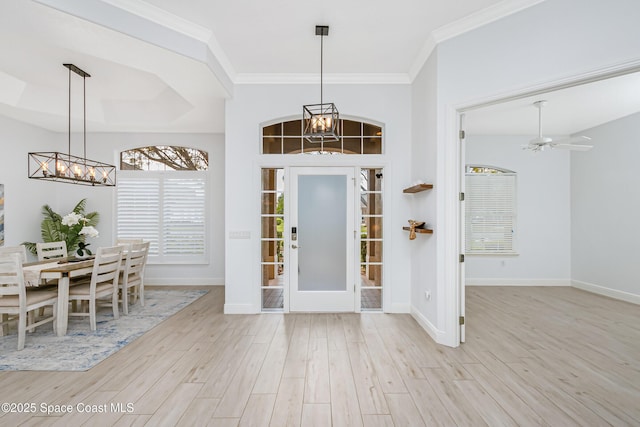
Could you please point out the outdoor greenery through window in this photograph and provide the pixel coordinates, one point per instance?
(272, 239)
(371, 240)
(490, 210)
(161, 198)
(356, 138)
(163, 157)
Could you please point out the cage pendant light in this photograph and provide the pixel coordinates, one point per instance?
(65, 167)
(321, 121)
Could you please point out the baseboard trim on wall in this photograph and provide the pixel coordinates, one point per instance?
(607, 292)
(435, 334)
(174, 281)
(240, 309)
(400, 308)
(517, 282)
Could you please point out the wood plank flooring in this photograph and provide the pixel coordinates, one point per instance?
(534, 356)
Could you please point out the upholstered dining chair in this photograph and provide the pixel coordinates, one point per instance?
(132, 276)
(103, 283)
(17, 300)
(51, 250)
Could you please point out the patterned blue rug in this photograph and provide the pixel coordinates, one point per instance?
(82, 349)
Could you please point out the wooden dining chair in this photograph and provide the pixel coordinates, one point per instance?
(51, 250)
(103, 283)
(132, 276)
(18, 301)
(20, 250)
(128, 241)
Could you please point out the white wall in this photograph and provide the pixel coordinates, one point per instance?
(605, 202)
(423, 205)
(24, 197)
(536, 47)
(255, 104)
(543, 214)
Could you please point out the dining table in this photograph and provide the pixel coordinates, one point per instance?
(58, 272)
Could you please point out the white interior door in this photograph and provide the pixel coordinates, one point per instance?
(322, 239)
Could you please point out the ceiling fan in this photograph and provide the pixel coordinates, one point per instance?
(541, 142)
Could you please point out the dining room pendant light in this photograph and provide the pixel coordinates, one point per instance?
(321, 121)
(65, 167)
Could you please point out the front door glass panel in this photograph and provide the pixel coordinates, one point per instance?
(322, 230)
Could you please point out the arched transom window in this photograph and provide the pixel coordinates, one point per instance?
(164, 157)
(355, 138)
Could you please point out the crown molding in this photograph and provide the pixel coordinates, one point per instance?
(314, 78)
(162, 17)
(427, 49)
(466, 24)
(219, 62)
(481, 18)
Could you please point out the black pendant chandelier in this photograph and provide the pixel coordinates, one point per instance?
(321, 121)
(65, 167)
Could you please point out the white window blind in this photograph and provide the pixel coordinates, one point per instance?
(490, 213)
(166, 208)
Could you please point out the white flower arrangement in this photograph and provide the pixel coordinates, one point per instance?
(72, 219)
(72, 228)
(90, 231)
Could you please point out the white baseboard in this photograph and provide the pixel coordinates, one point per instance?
(517, 282)
(400, 308)
(240, 309)
(435, 334)
(174, 281)
(608, 292)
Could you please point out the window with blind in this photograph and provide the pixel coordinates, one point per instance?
(490, 210)
(167, 209)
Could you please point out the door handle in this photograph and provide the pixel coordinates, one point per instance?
(295, 247)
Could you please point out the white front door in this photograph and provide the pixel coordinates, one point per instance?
(322, 239)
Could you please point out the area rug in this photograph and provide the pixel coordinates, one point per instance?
(81, 348)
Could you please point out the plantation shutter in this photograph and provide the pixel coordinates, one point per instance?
(183, 226)
(490, 210)
(167, 209)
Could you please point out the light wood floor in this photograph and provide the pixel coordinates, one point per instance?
(534, 356)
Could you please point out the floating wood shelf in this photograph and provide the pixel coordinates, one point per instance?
(418, 188)
(420, 230)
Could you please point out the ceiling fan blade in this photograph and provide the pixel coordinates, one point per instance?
(532, 147)
(572, 139)
(574, 147)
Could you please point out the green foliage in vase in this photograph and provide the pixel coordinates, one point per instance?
(72, 228)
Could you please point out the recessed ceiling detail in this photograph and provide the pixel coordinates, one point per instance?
(201, 49)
